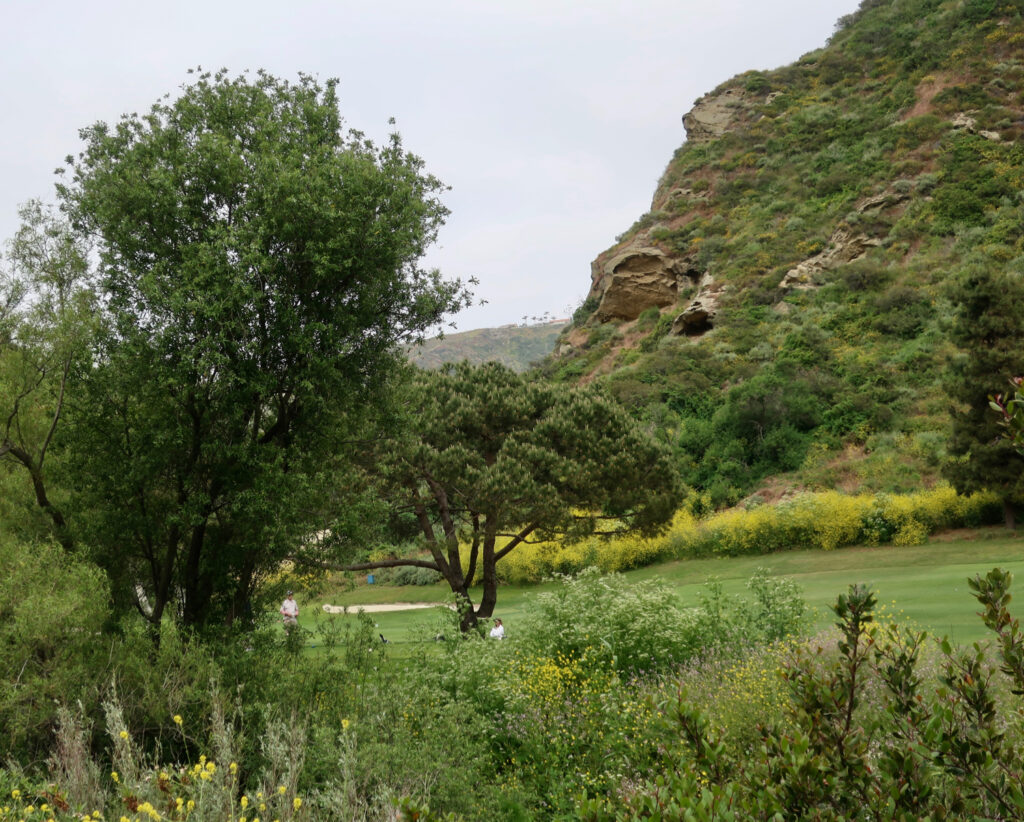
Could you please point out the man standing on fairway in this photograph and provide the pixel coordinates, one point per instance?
(290, 612)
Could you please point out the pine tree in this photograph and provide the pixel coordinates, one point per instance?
(988, 328)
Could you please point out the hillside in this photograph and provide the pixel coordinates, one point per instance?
(517, 346)
(781, 312)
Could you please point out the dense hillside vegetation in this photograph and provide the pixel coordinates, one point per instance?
(785, 306)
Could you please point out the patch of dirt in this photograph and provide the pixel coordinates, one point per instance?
(391, 606)
(926, 91)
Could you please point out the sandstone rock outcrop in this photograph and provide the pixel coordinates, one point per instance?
(711, 117)
(636, 279)
(843, 247)
(698, 317)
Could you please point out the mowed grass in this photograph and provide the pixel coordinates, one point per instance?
(924, 586)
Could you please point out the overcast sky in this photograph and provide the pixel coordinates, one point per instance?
(551, 121)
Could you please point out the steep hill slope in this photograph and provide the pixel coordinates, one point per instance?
(517, 346)
(781, 309)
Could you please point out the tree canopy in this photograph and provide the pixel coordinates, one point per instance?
(987, 327)
(258, 268)
(489, 459)
(47, 310)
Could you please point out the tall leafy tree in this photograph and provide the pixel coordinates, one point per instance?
(47, 310)
(489, 459)
(988, 327)
(259, 268)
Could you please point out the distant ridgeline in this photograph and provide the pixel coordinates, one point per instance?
(783, 307)
(517, 346)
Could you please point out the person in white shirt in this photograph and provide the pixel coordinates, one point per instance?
(498, 631)
(290, 611)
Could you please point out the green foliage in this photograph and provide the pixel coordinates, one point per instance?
(1011, 409)
(927, 751)
(987, 328)
(51, 607)
(487, 454)
(258, 269)
(609, 624)
(47, 309)
(415, 576)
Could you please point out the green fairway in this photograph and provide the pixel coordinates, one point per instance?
(925, 585)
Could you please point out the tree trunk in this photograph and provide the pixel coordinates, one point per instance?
(489, 577)
(35, 471)
(1009, 514)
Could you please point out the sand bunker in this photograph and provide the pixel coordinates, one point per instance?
(393, 606)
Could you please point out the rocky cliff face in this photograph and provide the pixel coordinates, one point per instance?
(637, 274)
(782, 306)
(735, 126)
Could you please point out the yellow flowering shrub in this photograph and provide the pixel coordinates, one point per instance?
(824, 520)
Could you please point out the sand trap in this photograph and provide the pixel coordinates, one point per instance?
(394, 606)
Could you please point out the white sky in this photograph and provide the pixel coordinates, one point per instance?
(551, 121)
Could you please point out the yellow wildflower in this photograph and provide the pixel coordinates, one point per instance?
(297, 803)
(177, 719)
(114, 776)
(244, 801)
(123, 734)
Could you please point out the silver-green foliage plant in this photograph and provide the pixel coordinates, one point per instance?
(637, 627)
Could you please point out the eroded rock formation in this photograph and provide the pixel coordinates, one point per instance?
(698, 317)
(713, 116)
(636, 279)
(843, 247)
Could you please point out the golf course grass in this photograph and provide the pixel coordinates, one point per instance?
(924, 586)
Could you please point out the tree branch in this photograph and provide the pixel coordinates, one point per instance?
(518, 538)
(369, 566)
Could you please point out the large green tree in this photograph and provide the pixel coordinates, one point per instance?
(988, 327)
(47, 310)
(259, 268)
(488, 459)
